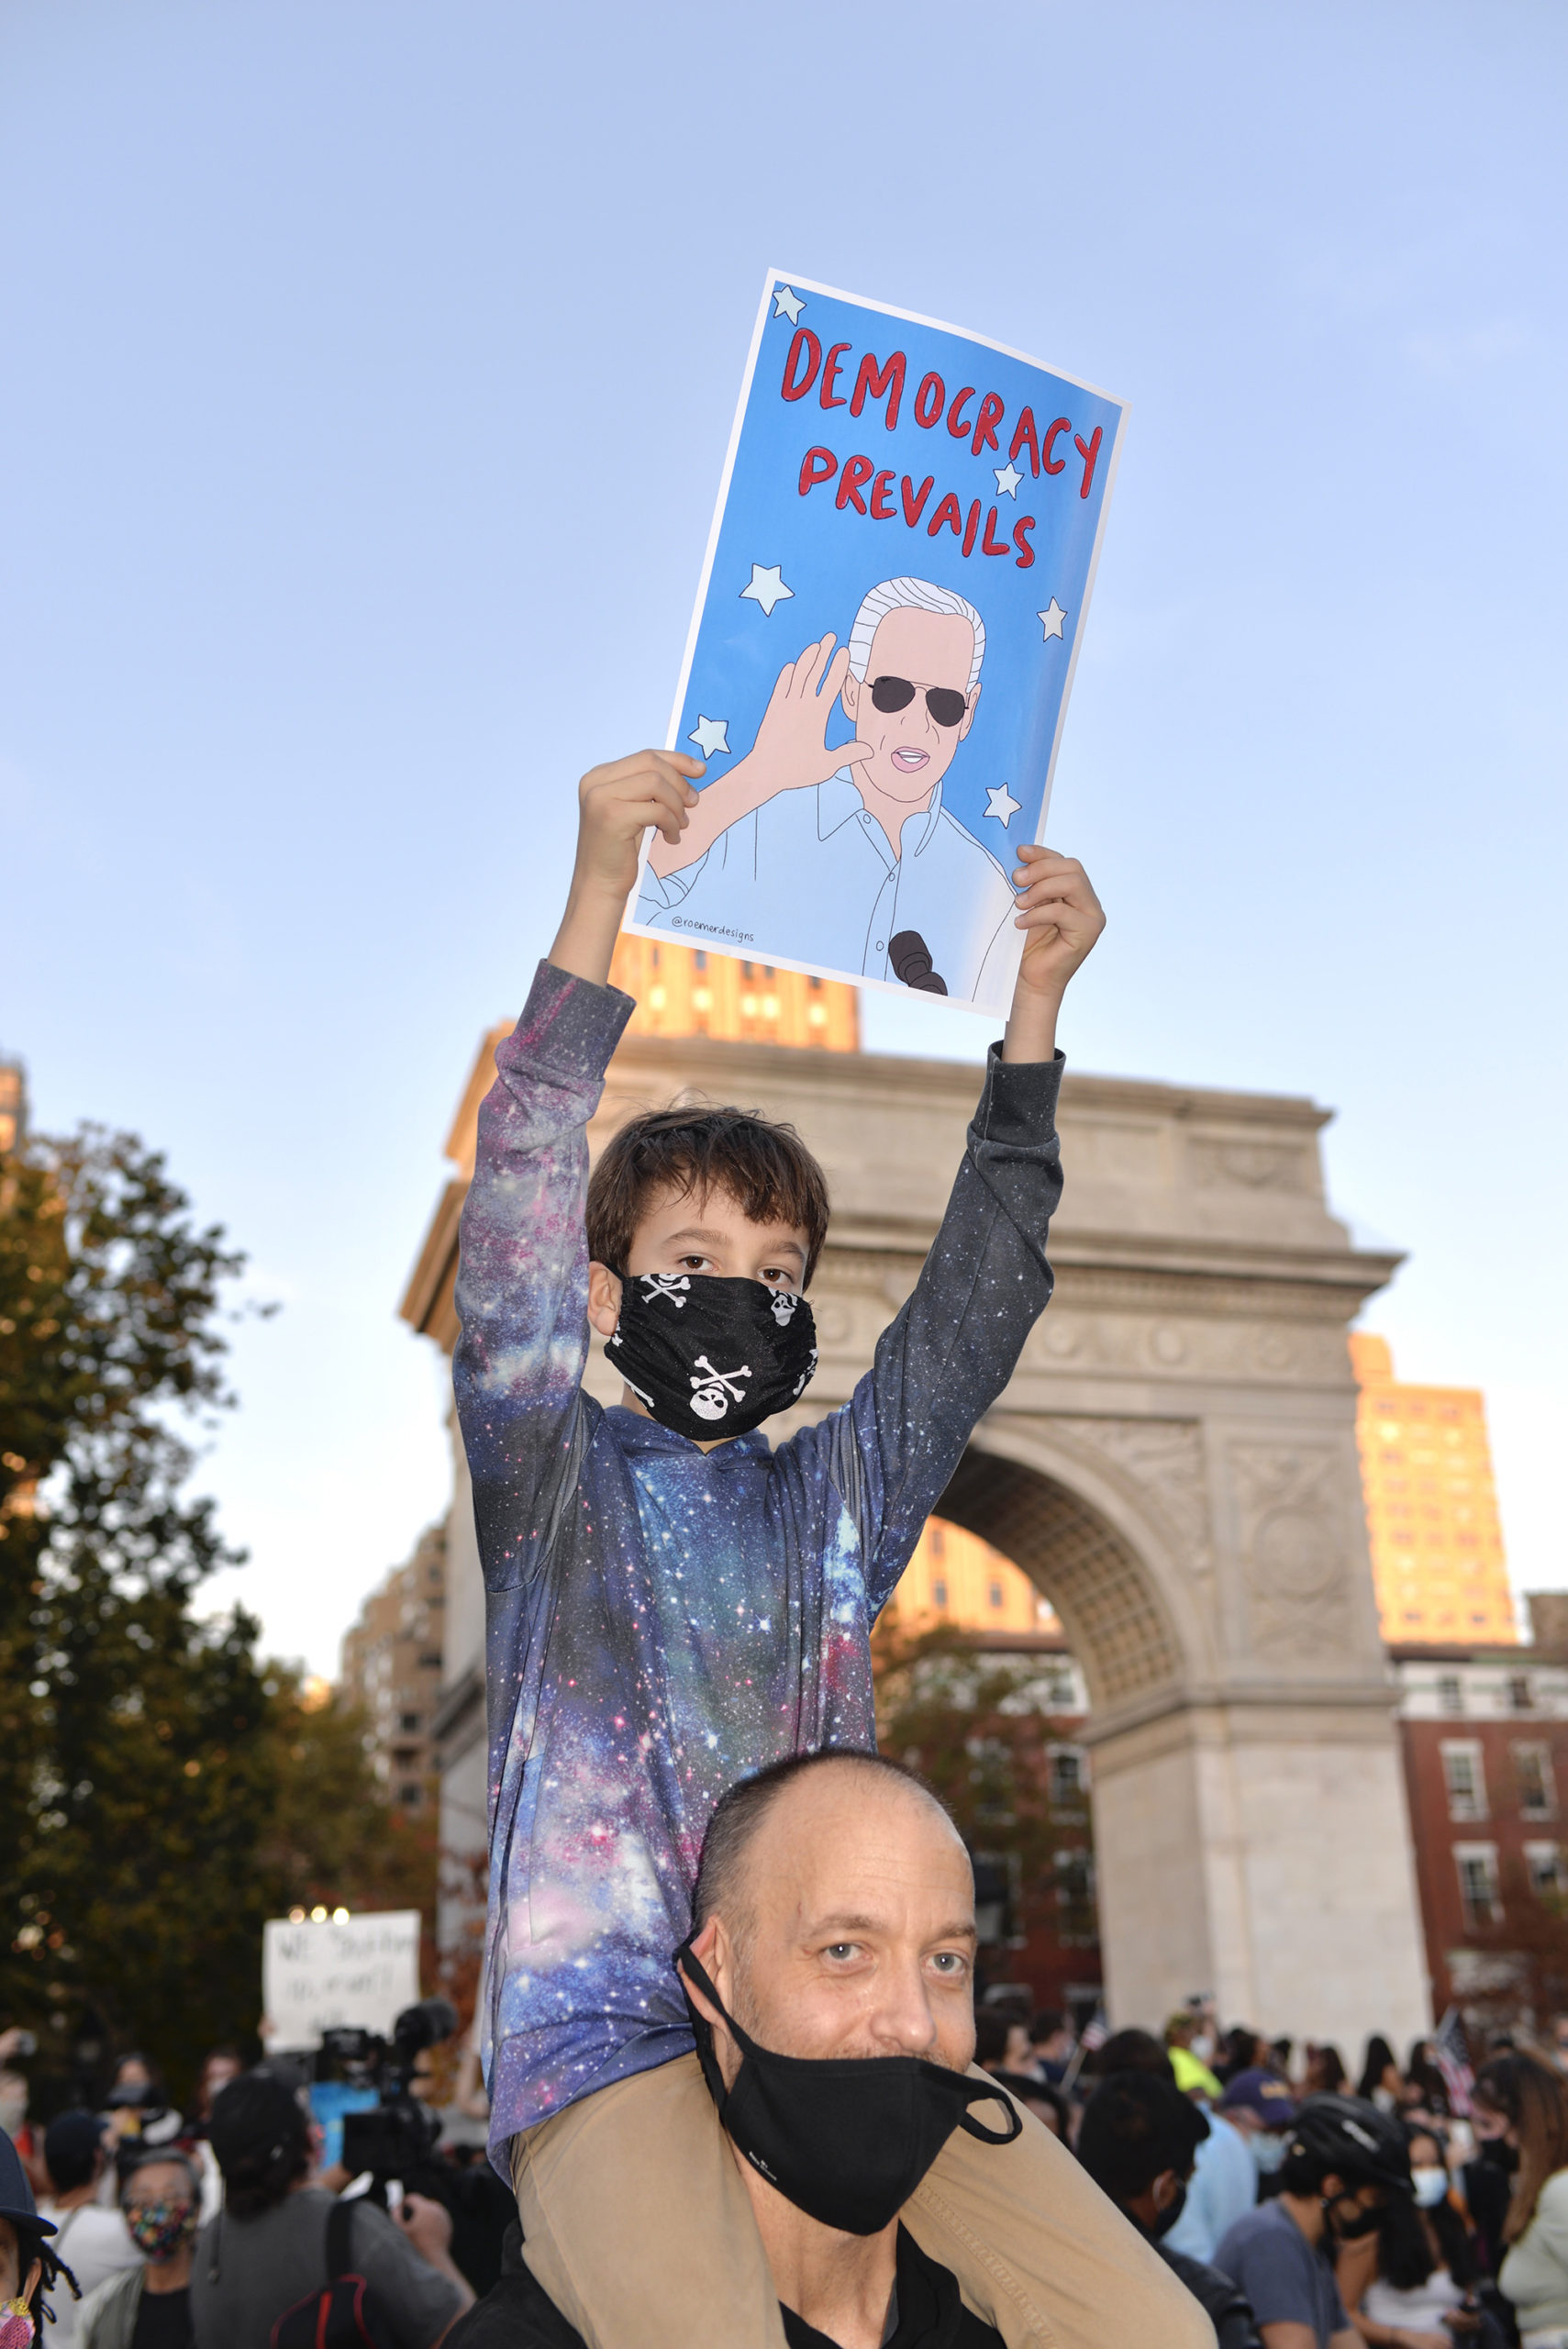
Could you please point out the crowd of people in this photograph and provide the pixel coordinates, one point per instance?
(1406, 2210)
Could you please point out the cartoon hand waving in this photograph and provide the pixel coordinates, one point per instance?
(792, 745)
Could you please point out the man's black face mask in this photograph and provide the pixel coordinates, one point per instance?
(848, 2139)
(712, 1357)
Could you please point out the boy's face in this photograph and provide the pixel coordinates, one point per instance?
(685, 1232)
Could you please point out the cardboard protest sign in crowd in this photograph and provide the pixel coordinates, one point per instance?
(878, 669)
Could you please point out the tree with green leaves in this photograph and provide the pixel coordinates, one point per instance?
(162, 1789)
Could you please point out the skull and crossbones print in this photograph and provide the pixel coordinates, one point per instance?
(717, 1389)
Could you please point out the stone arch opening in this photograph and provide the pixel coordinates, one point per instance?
(1110, 1605)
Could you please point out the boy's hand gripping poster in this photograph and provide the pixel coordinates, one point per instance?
(890, 613)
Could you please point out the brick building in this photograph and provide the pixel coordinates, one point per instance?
(1484, 1732)
(997, 1711)
(392, 1667)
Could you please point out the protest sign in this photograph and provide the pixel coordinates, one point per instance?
(360, 1972)
(890, 613)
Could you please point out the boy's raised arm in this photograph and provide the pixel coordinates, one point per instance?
(522, 1288)
(952, 1347)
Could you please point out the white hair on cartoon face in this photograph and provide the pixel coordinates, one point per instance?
(917, 596)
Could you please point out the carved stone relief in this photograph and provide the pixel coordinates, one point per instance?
(1294, 1536)
(1159, 1465)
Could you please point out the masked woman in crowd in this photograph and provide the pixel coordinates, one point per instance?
(1381, 2082)
(1531, 2100)
(1413, 2284)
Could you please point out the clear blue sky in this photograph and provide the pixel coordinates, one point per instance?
(368, 369)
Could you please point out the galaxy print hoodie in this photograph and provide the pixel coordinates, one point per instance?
(661, 1620)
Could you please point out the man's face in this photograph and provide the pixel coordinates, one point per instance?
(216, 2073)
(913, 749)
(858, 1936)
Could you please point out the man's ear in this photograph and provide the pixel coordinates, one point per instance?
(712, 1952)
(968, 719)
(604, 1299)
(1164, 2189)
(850, 695)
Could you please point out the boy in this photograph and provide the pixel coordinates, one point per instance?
(671, 1605)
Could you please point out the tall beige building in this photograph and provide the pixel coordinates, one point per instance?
(391, 1668)
(1431, 1508)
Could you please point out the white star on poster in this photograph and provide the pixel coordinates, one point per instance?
(710, 734)
(1052, 619)
(786, 304)
(1001, 804)
(1007, 479)
(768, 589)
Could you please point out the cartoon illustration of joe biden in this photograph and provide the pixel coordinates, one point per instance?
(847, 857)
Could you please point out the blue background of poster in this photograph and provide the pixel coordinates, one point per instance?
(830, 558)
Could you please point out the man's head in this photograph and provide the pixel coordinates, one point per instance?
(914, 683)
(74, 2151)
(1349, 2158)
(1132, 2051)
(835, 1915)
(1139, 2140)
(261, 2140)
(162, 2199)
(1050, 2035)
(698, 1190)
(222, 2064)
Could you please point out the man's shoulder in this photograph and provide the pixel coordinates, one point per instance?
(1268, 2228)
(957, 835)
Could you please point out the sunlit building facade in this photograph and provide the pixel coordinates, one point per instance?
(1431, 1508)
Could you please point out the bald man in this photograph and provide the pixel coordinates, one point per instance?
(834, 1930)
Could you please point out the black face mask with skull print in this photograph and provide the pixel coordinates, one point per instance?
(712, 1357)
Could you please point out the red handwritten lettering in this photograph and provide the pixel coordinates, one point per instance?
(948, 512)
(804, 346)
(830, 375)
(1021, 530)
(1062, 424)
(956, 423)
(985, 423)
(929, 400)
(1025, 437)
(915, 506)
(874, 382)
(971, 527)
(881, 506)
(819, 464)
(1090, 455)
(857, 471)
(986, 545)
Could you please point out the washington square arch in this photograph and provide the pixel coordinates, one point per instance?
(1175, 1466)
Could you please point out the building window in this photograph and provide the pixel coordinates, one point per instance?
(1451, 1693)
(1066, 1774)
(1466, 1780)
(410, 1797)
(1538, 1794)
(994, 1594)
(1545, 1865)
(410, 1724)
(939, 1592)
(1477, 1865)
(1519, 1697)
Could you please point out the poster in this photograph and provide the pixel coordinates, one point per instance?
(890, 613)
(360, 1972)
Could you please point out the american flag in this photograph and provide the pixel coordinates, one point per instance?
(1096, 2031)
(1452, 2056)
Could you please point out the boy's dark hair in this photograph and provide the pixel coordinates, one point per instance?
(1131, 2050)
(1135, 2126)
(992, 2029)
(695, 1148)
(261, 2140)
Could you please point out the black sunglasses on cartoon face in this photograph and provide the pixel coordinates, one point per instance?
(946, 705)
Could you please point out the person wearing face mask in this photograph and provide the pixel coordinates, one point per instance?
(830, 1981)
(1140, 2140)
(1261, 2106)
(1225, 2181)
(1532, 2099)
(1344, 2160)
(150, 2306)
(92, 2235)
(1487, 2179)
(1413, 2284)
(34, 2279)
